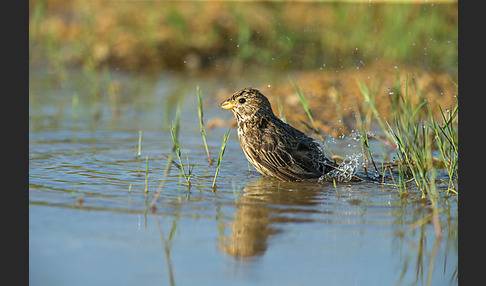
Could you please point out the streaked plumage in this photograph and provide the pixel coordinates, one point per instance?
(273, 147)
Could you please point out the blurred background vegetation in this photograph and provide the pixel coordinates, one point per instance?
(228, 36)
(328, 48)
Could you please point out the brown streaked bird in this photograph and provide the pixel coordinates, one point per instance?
(272, 146)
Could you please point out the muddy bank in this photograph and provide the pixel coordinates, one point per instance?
(336, 99)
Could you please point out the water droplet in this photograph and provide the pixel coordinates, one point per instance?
(269, 85)
(413, 44)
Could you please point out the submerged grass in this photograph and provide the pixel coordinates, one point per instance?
(164, 178)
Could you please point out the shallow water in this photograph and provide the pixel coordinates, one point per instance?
(90, 221)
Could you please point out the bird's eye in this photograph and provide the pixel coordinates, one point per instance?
(242, 100)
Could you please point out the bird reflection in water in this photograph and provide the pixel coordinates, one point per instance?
(264, 203)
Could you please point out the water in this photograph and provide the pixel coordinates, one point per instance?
(90, 221)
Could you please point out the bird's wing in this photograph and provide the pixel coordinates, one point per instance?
(290, 157)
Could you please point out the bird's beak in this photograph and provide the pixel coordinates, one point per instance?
(227, 105)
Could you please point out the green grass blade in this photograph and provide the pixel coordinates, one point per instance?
(220, 157)
(307, 110)
(202, 129)
(178, 153)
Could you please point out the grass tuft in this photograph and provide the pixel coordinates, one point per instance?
(417, 138)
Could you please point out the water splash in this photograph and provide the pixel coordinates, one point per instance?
(345, 172)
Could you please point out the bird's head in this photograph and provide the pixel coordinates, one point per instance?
(248, 103)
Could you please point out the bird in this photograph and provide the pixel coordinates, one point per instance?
(273, 147)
